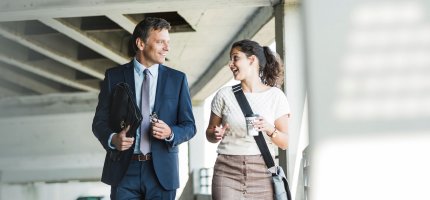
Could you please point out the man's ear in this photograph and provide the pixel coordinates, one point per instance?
(139, 43)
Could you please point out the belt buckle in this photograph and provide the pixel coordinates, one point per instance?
(143, 157)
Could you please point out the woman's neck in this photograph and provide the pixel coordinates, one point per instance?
(253, 85)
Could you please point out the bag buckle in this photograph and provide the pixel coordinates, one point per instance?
(274, 170)
(122, 124)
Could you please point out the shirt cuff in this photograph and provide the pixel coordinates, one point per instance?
(170, 138)
(110, 141)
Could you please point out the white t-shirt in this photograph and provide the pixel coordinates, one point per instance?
(270, 104)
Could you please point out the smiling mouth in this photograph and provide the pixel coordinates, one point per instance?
(235, 71)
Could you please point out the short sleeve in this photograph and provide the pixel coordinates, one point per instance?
(283, 107)
(218, 104)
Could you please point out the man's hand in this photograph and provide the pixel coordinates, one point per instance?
(121, 141)
(161, 130)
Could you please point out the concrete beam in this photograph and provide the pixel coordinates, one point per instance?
(51, 175)
(125, 22)
(49, 145)
(90, 82)
(266, 35)
(208, 83)
(7, 92)
(45, 73)
(73, 32)
(25, 81)
(63, 161)
(51, 53)
(12, 10)
(58, 103)
(57, 168)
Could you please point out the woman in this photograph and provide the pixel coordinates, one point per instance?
(240, 171)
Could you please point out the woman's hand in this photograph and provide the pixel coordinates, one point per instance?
(260, 124)
(219, 131)
(280, 138)
(215, 131)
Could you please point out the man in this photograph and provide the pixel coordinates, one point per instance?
(149, 169)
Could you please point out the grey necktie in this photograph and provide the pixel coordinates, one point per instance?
(145, 145)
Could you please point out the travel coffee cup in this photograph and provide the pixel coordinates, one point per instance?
(250, 118)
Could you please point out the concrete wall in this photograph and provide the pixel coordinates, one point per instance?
(369, 101)
(54, 191)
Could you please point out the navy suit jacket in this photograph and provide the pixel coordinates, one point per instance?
(172, 105)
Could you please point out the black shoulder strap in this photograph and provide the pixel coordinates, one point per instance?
(246, 109)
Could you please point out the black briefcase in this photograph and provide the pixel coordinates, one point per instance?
(124, 110)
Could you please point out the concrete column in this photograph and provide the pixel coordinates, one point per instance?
(290, 46)
(197, 150)
(197, 144)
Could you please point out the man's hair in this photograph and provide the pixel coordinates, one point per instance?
(143, 28)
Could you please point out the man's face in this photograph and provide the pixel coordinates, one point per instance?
(156, 47)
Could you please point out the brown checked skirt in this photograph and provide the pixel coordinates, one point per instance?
(239, 177)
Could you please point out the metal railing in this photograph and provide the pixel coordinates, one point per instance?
(306, 170)
(205, 180)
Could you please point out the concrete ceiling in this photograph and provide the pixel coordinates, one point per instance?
(53, 55)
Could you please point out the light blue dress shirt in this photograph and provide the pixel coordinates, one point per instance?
(138, 79)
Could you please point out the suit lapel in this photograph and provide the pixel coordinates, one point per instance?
(129, 77)
(161, 83)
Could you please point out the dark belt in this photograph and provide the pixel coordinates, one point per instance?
(141, 157)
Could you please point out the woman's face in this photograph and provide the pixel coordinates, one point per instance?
(241, 65)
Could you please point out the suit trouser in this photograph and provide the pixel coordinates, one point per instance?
(140, 182)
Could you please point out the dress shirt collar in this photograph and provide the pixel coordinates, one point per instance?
(138, 67)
